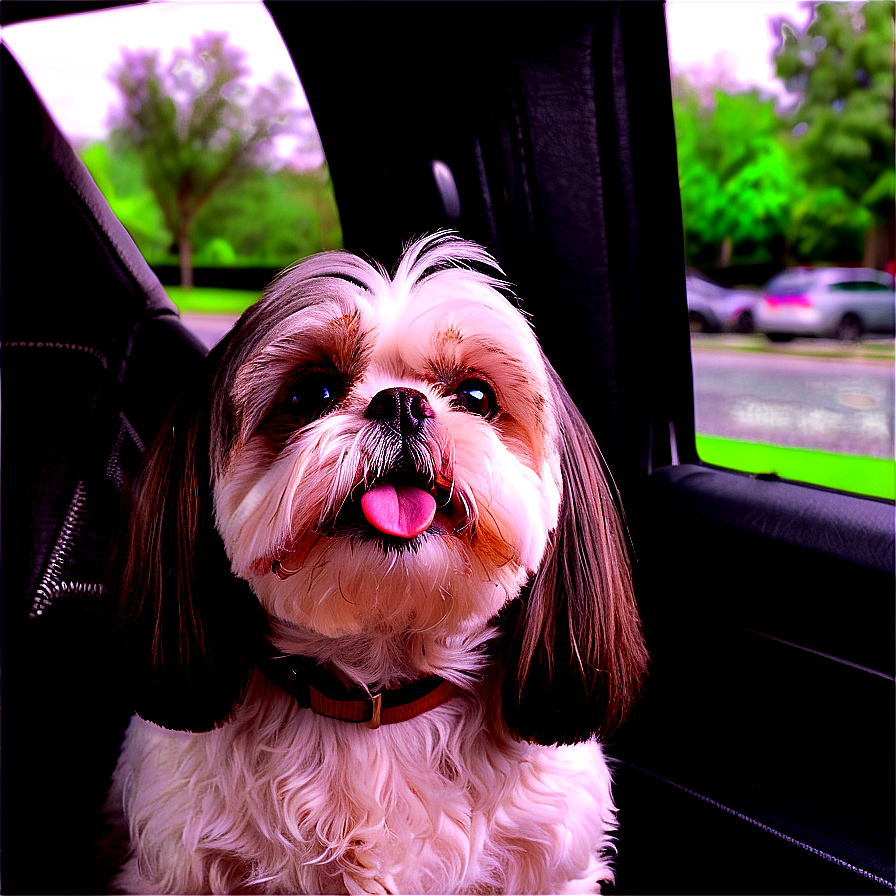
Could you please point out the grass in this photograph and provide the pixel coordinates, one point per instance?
(807, 348)
(212, 300)
(873, 476)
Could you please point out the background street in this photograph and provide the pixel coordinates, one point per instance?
(835, 404)
(779, 396)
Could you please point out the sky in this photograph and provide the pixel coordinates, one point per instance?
(735, 33)
(68, 59)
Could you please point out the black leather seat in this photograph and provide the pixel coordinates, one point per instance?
(93, 354)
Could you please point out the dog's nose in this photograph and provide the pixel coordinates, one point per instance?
(404, 409)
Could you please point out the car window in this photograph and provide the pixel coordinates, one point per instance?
(788, 284)
(784, 122)
(861, 286)
(250, 212)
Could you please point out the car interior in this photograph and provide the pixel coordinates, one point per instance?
(760, 757)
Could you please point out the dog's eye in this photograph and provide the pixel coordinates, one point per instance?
(314, 395)
(476, 397)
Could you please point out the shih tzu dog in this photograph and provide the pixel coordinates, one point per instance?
(376, 606)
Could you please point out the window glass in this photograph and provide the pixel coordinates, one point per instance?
(784, 121)
(247, 194)
(860, 286)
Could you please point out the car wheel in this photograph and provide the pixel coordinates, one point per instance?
(744, 323)
(849, 329)
(698, 323)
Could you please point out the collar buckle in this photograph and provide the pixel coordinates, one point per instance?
(376, 714)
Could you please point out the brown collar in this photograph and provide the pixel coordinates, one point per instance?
(314, 688)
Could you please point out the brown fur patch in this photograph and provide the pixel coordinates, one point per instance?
(449, 335)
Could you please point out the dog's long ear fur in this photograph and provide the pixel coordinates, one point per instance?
(576, 657)
(187, 626)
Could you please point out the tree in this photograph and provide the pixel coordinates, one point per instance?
(119, 176)
(293, 214)
(841, 66)
(196, 126)
(737, 183)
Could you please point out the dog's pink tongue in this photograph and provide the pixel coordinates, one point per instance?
(400, 510)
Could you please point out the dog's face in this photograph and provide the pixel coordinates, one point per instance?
(390, 456)
(391, 460)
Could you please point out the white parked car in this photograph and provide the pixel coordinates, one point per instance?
(840, 303)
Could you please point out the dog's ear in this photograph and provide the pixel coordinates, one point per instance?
(576, 656)
(189, 630)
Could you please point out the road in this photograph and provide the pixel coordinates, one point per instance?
(835, 404)
(209, 327)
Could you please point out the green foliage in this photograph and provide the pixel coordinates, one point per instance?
(737, 183)
(268, 219)
(217, 252)
(826, 225)
(842, 67)
(271, 218)
(843, 148)
(119, 176)
(811, 185)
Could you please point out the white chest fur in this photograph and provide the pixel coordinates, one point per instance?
(283, 801)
